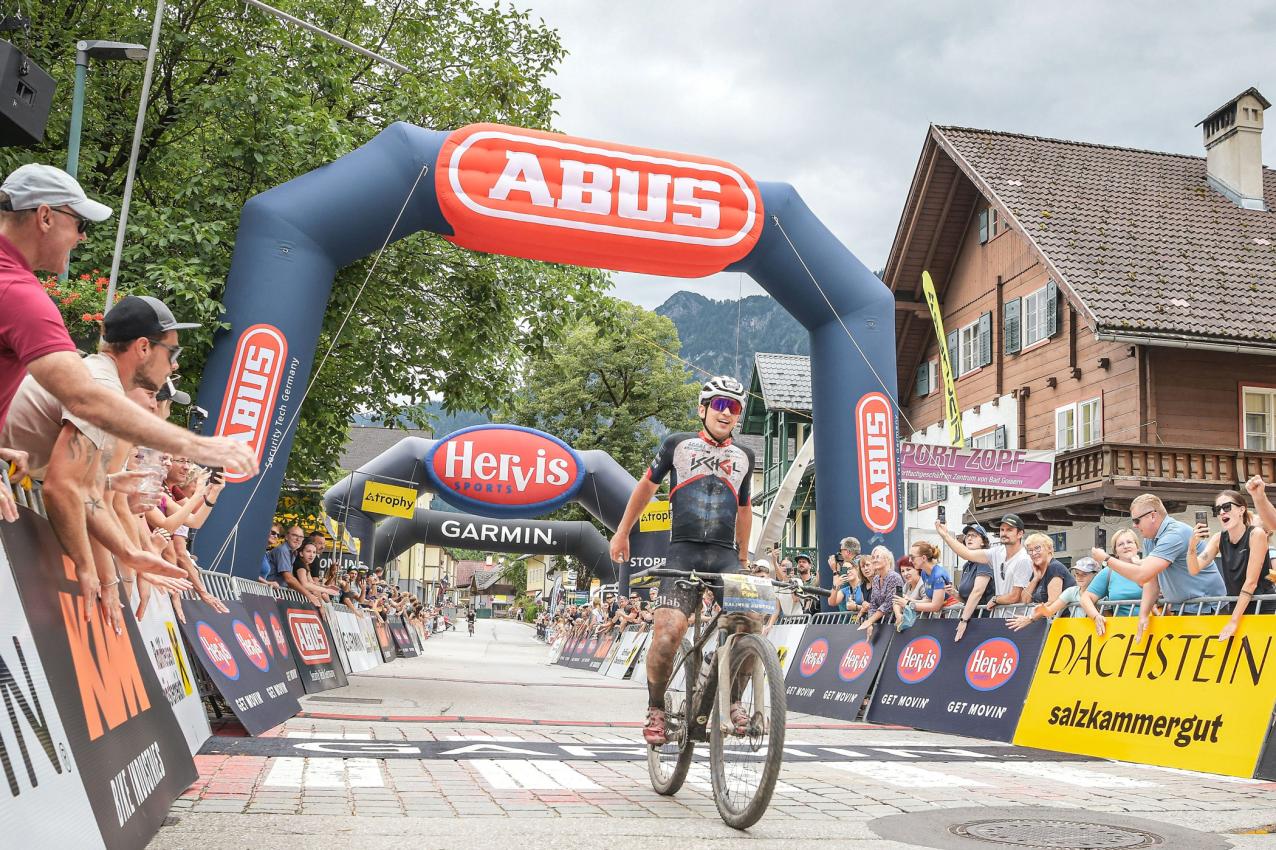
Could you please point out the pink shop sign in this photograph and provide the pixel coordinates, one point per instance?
(997, 469)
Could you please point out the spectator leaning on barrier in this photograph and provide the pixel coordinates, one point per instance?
(976, 577)
(1049, 576)
(282, 558)
(273, 539)
(1241, 549)
(806, 575)
(1083, 572)
(884, 587)
(913, 590)
(1093, 585)
(1011, 566)
(938, 583)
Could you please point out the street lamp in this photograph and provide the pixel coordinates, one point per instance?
(107, 51)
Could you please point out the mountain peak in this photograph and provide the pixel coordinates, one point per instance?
(720, 337)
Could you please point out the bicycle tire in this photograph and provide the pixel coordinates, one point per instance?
(668, 764)
(742, 814)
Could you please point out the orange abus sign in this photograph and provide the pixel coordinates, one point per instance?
(875, 436)
(251, 390)
(543, 196)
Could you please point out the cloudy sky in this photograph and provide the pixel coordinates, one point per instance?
(835, 97)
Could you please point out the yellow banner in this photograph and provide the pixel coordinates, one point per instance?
(1182, 698)
(389, 499)
(952, 412)
(656, 517)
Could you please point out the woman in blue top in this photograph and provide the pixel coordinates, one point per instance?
(1105, 585)
(935, 579)
(848, 591)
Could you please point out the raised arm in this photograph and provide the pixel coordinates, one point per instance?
(979, 556)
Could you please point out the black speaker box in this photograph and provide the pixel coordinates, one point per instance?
(26, 95)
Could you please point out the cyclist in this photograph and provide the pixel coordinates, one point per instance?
(469, 618)
(710, 501)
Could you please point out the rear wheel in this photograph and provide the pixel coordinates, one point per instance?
(744, 767)
(668, 764)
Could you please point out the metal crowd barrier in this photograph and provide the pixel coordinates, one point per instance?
(1202, 605)
(220, 585)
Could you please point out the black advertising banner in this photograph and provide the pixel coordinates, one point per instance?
(312, 647)
(834, 669)
(383, 639)
(128, 748)
(571, 650)
(402, 640)
(1267, 760)
(976, 687)
(267, 622)
(609, 639)
(257, 688)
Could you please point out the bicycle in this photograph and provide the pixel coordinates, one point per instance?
(471, 623)
(735, 664)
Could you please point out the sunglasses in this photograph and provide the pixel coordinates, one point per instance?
(174, 351)
(1225, 507)
(81, 223)
(274, 534)
(722, 404)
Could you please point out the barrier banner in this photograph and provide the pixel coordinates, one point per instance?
(256, 688)
(311, 645)
(614, 650)
(586, 651)
(1267, 761)
(384, 643)
(172, 667)
(402, 640)
(571, 650)
(1182, 698)
(338, 638)
(371, 646)
(267, 622)
(556, 650)
(786, 639)
(975, 687)
(605, 643)
(348, 634)
(631, 644)
(128, 748)
(43, 800)
(834, 668)
(639, 674)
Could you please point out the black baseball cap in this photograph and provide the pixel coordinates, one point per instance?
(1013, 521)
(137, 316)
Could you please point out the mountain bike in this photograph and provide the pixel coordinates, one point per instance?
(723, 662)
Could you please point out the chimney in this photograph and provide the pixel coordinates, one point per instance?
(1234, 151)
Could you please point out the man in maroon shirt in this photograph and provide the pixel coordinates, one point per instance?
(43, 215)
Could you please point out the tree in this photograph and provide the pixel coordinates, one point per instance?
(241, 103)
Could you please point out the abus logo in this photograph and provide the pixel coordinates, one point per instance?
(505, 470)
(875, 434)
(250, 645)
(855, 661)
(281, 640)
(251, 390)
(216, 650)
(260, 625)
(307, 634)
(551, 197)
(814, 657)
(992, 664)
(919, 659)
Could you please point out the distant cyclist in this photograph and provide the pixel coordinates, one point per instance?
(710, 501)
(469, 618)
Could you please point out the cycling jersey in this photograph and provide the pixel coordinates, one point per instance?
(709, 484)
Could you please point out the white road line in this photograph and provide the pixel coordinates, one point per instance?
(364, 773)
(325, 773)
(568, 776)
(494, 775)
(1071, 775)
(1196, 774)
(285, 773)
(698, 777)
(529, 775)
(904, 775)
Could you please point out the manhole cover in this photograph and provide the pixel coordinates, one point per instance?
(367, 700)
(1055, 834)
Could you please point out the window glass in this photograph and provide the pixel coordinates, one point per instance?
(969, 348)
(1065, 428)
(1260, 419)
(1091, 423)
(1035, 327)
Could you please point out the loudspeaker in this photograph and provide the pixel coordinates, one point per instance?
(26, 95)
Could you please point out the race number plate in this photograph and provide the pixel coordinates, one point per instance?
(747, 594)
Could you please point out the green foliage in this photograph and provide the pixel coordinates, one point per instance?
(241, 103)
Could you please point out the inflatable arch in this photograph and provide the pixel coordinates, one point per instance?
(503, 473)
(549, 197)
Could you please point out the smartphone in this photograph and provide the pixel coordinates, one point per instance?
(1101, 538)
(1202, 517)
(216, 477)
(943, 514)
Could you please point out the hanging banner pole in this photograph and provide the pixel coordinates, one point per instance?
(952, 412)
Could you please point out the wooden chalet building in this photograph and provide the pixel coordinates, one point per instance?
(1115, 305)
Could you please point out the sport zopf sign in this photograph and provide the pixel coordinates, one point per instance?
(249, 400)
(875, 437)
(550, 197)
(505, 470)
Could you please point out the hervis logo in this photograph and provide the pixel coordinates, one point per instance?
(544, 196)
(250, 645)
(216, 650)
(307, 633)
(875, 435)
(260, 625)
(814, 657)
(251, 390)
(919, 659)
(992, 664)
(505, 470)
(855, 661)
(281, 639)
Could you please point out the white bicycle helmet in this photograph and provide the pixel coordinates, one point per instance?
(723, 385)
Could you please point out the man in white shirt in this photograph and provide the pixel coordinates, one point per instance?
(1011, 566)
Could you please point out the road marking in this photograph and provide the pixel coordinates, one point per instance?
(364, 773)
(1196, 774)
(1069, 775)
(291, 772)
(905, 775)
(522, 774)
(494, 775)
(286, 773)
(699, 777)
(567, 776)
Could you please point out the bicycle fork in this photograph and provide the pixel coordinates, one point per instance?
(725, 680)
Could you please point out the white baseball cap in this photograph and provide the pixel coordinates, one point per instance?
(32, 185)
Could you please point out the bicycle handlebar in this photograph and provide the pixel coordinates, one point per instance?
(793, 585)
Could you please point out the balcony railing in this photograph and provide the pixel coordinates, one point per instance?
(1137, 463)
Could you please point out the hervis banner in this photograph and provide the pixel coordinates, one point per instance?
(974, 686)
(1181, 698)
(834, 669)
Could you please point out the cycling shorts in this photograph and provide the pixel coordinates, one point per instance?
(702, 558)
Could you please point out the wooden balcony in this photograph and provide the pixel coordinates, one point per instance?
(1102, 479)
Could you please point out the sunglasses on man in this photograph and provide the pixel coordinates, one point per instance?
(722, 404)
(81, 223)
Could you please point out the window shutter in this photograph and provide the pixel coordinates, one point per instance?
(953, 353)
(910, 496)
(923, 379)
(999, 437)
(1052, 308)
(985, 339)
(1010, 326)
(983, 225)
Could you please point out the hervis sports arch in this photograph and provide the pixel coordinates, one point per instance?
(539, 195)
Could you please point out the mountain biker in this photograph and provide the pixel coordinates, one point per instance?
(711, 505)
(469, 618)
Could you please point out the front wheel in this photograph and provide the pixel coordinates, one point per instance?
(668, 764)
(744, 766)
